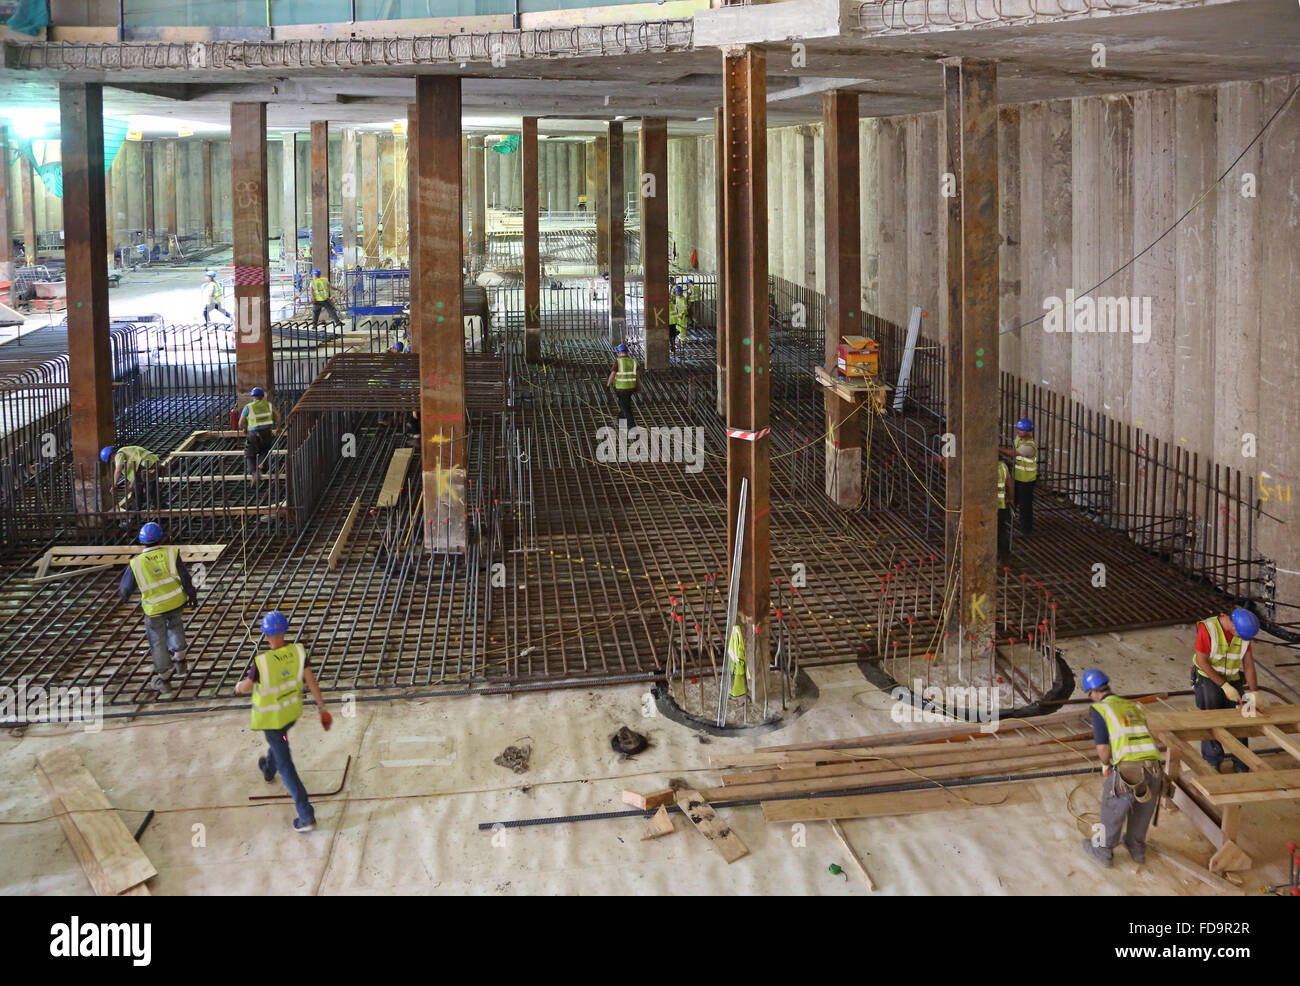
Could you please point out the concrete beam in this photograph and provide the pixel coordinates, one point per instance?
(320, 197)
(653, 181)
(90, 366)
(251, 253)
(528, 151)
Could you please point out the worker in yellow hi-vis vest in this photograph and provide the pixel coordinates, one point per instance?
(258, 421)
(623, 378)
(140, 469)
(677, 313)
(275, 678)
(1223, 674)
(320, 299)
(1004, 511)
(1130, 762)
(213, 297)
(165, 587)
(1025, 472)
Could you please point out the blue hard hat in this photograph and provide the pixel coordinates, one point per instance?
(1245, 623)
(1024, 424)
(257, 392)
(212, 273)
(275, 622)
(106, 453)
(677, 289)
(621, 347)
(1094, 680)
(151, 533)
(315, 272)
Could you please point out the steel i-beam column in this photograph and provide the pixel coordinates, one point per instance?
(169, 190)
(617, 210)
(748, 355)
(844, 418)
(370, 197)
(408, 231)
(601, 205)
(320, 197)
(90, 361)
(208, 233)
(436, 303)
(250, 249)
(971, 116)
(532, 250)
(719, 210)
(348, 149)
(477, 199)
(289, 204)
(653, 180)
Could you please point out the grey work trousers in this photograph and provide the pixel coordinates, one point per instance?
(1120, 806)
(166, 633)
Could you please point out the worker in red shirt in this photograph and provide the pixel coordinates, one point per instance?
(1222, 665)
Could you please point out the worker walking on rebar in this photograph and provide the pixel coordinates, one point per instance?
(275, 677)
(692, 301)
(213, 297)
(1025, 472)
(623, 377)
(258, 420)
(1004, 510)
(165, 587)
(140, 468)
(1222, 665)
(320, 300)
(1133, 777)
(677, 318)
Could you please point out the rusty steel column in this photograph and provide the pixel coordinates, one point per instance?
(320, 197)
(617, 211)
(477, 199)
(370, 197)
(532, 247)
(150, 220)
(169, 191)
(6, 233)
(90, 362)
(208, 234)
(971, 113)
(250, 250)
(952, 330)
(748, 355)
(720, 238)
(653, 180)
(348, 149)
(845, 419)
(27, 178)
(436, 311)
(289, 203)
(601, 205)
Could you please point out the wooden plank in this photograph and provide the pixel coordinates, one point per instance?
(854, 859)
(74, 572)
(659, 825)
(1192, 869)
(1208, 826)
(341, 541)
(234, 477)
(1238, 749)
(708, 824)
(119, 862)
(74, 555)
(1258, 785)
(1199, 724)
(1286, 742)
(1188, 756)
(648, 802)
(394, 478)
(895, 803)
(43, 565)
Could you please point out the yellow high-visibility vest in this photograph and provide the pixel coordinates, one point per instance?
(1003, 475)
(1026, 465)
(1227, 658)
(1126, 723)
(320, 289)
(277, 693)
(159, 579)
(625, 374)
(133, 457)
(260, 414)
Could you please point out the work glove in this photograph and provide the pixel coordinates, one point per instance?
(192, 599)
(1105, 770)
(326, 720)
(1229, 690)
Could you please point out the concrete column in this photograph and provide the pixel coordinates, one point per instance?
(387, 196)
(208, 237)
(90, 368)
(254, 365)
(289, 201)
(775, 207)
(892, 146)
(543, 175)
(970, 103)
(924, 278)
(320, 197)
(436, 310)
(720, 167)
(528, 150)
(601, 204)
(845, 419)
(169, 193)
(1115, 205)
(615, 221)
(404, 188)
(869, 183)
(654, 239)
(412, 238)
(6, 233)
(348, 170)
(150, 219)
(109, 223)
(1056, 259)
(477, 200)
(748, 356)
(810, 174)
(1087, 362)
(1009, 230)
(589, 184)
(791, 181)
(370, 197)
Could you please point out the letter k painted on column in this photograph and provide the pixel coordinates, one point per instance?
(659, 317)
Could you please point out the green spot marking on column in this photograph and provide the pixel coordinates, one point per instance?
(79, 304)
(248, 260)
(440, 318)
(979, 352)
(760, 369)
(745, 341)
(979, 364)
(439, 305)
(746, 367)
(760, 347)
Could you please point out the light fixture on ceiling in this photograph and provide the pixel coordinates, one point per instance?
(135, 135)
(185, 130)
(619, 119)
(399, 128)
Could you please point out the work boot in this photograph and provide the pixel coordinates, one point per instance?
(1097, 854)
(268, 772)
(180, 667)
(1223, 766)
(1137, 853)
(300, 826)
(159, 684)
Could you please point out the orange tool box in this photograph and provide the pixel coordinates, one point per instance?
(858, 356)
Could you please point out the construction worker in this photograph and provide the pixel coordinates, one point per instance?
(320, 299)
(677, 317)
(213, 297)
(1004, 511)
(140, 467)
(1133, 775)
(165, 587)
(693, 296)
(623, 377)
(1025, 472)
(275, 678)
(258, 420)
(1222, 664)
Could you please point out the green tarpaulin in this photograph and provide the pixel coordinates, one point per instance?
(52, 173)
